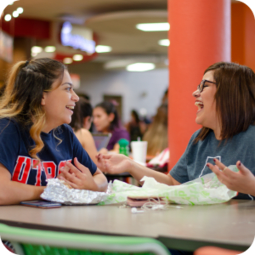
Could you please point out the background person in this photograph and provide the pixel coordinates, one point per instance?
(156, 135)
(81, 122)
(133, 127)
(106, 120)
(35, 142)
(226, 110)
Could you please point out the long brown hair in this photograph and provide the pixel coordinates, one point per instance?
(23, 93)
(156, 135)
(235, 98)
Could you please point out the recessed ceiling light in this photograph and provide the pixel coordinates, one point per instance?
(151, 27)
(36, 49)
(50, 49)
(68, 60)
(164, 42)
(103, 48)
(15, 14)
(7, 17)
(20, 10)
(77, 57)
(140, 67)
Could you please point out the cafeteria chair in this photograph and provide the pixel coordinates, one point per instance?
(41, 242)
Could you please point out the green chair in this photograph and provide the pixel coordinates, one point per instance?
(40, 242)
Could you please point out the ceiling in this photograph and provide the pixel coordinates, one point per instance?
(113, 21)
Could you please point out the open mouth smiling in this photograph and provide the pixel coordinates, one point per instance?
(71, 107)
(200, 105)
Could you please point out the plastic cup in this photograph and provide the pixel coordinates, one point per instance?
(139, 151)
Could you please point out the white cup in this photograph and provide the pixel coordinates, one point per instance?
(139, 151)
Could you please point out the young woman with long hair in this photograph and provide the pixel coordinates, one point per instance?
(226, 110)
(35, 142)
(106, 120)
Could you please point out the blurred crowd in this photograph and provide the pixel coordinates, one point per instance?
(104, 118)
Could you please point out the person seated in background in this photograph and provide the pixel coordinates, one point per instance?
(133, 127)
(35, 141)
(81, 122)
(226, 110)
(106, 120)
(156, 135)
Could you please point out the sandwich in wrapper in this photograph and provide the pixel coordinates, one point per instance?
(138, 201)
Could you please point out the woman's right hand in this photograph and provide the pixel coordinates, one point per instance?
(114, 163)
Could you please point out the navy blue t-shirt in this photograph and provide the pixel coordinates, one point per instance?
(60, 145)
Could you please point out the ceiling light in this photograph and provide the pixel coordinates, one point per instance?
(36, 49)
(77, 57)
(68, 60)
(150, 27)
(164, 42)
(140, 67)
(15, 14)
(7, 17)
(20, 10)
(118, 63)
(103, 48)
(50, 49)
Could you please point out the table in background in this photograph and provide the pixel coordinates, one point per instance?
(230, 225)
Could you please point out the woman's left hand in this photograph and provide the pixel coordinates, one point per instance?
(78, 176)
(242, 181)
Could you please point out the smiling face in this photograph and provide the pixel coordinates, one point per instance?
(101, 119)
(205, 101)
(59, 103)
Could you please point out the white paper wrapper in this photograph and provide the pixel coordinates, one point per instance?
(205, 190)
(57, 191)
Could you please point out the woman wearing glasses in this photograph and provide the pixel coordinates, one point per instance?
(226, 110)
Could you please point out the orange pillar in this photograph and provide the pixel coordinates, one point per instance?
(199, 36)
(242, 35)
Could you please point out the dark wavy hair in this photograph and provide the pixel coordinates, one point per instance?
(109, 108)
(82, 110)
(235, 98)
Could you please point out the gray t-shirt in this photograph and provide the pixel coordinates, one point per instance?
(192, 163)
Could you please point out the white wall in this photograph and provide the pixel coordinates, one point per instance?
(138, 90)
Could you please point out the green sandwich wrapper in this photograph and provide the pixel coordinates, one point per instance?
(201, 191)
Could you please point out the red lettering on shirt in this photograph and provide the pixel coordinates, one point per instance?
(37, 166)
(22, 169)
(50, 169)
(24, 165)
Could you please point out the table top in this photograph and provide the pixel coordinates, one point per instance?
(229, 225)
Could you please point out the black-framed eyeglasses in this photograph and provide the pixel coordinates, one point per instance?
(201, 86)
